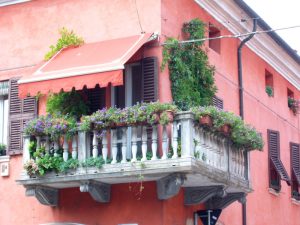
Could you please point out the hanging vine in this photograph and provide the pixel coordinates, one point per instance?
(191, 75)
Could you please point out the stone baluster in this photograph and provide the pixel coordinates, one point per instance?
(65, 149)
(164, 143)
(38, 142)
(203, 146)
(154, 142)
(104, 148)
(74, 147)
(144, 143)
(124, 144)
(95, 144)
(208, 148)
(175, 141)
(134, 144)
(222, 153)
(114, 146)
(84, 141)
(47, 145)
(56, 147)
(187, 134)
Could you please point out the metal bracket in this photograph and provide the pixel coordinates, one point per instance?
(222, 202)
(169, 186)
(45, 195)
(198, 195)
(100, 192)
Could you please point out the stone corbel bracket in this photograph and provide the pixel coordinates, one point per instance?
(198, 195)
(99, 191)
(169, 186)
(222, 202)
(45, 195)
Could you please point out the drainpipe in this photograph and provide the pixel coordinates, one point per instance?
(240, 68)
(241, 97)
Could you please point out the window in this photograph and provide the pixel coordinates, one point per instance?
(20, 111)
(269, 83)
(293, 104)
(277, 171)
(214, 44)
(295, 170)
(3, 116)
(217, 102)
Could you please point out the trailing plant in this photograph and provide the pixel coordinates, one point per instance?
(67, 38)
(2, 149)
(93, 162)
(69, 164)
(145, 113)
(67, 103)
(293, 104)
(242, 135)
(269, 91)
(191, 75)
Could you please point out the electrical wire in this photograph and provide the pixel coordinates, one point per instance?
(235, 35)
(257, 99)
(138, 15)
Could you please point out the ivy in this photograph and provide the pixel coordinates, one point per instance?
(191, 75)
(67, 103)
(68, 38)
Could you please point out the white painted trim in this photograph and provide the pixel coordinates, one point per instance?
(13, 2)
(4, 158)
(263, 45)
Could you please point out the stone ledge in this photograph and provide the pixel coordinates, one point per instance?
(5, 158)
(295, 201)
(274, 192)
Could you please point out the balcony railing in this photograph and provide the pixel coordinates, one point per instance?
(194, 156)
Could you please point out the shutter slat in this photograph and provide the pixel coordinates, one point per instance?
(20, 111)
(150, 74)
(274, 155)
(218, 102)
(295, 160)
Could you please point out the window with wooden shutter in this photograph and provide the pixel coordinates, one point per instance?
(277, 171)
(20, 111)
(295, 170)
(150, 79)
(217, 102)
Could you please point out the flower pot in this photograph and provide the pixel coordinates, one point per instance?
(225, 129)
(205, 121)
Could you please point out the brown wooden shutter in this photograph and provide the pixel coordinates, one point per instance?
(150, 79)
(20, 111)
(295, 160)
(96, 97)
(274, 155)
(217, 102)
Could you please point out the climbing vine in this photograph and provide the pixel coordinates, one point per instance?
(191, 75)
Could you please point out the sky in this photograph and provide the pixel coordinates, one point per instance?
(278, 14)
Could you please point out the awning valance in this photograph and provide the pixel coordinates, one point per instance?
(88, 65)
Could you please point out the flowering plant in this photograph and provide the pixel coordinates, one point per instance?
(39, 126)
(31, 167)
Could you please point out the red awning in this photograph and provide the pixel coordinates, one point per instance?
(88, 65)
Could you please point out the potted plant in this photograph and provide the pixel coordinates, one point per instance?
(269, 91)
(205, 115)
(293, 104)
(2, 149)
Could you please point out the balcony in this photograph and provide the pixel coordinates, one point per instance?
(209, 168)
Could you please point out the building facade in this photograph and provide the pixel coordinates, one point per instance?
(173, 190)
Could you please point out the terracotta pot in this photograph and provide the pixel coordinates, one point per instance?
(206, 121)
(170, 115)
(225, 129)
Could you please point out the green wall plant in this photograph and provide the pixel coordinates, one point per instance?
(191, 75)
(67, 38)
